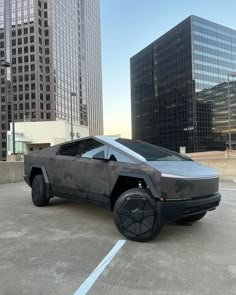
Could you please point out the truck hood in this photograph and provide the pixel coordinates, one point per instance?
(183, 169)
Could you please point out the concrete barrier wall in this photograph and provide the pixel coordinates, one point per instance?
(14, 171)
(11, 172)
(225, 167)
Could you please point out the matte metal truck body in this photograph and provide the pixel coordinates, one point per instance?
(145, 186)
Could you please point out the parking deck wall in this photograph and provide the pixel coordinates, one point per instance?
(14, 171)
(11, 172)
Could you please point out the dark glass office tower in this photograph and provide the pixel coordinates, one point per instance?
(182, 86)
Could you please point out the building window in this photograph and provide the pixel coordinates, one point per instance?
(48, 106)
(19, 32)
(33, 86)
(48, 116)
(19, 41)
(19, 50)
(25, 49)
(25, 40)
(31, 39)
(25, 31)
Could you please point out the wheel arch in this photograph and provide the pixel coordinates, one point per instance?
(35, 170)
(126, 181)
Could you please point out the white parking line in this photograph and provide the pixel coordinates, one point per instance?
(228, 189)
(87, 284)
(234, 180)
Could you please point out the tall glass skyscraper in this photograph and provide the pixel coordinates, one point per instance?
(182, 88)
(54, 49)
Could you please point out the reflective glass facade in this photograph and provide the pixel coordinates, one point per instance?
(54, 50)
(179, 87)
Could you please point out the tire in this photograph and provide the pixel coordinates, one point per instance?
(193, 218)
(38, 191)
(135, 215)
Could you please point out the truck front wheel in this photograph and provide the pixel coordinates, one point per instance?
(135, 215)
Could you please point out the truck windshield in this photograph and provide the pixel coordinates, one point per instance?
(151, 152)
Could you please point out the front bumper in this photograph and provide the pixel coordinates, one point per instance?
(171, 210)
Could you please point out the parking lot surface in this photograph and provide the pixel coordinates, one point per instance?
(54, 249)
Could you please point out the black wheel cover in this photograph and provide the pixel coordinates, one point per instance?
(135, 215)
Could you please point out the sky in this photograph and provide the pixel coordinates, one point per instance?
(127, 26)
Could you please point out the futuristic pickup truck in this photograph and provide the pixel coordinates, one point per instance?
(145, 186)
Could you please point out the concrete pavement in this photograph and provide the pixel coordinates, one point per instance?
(52, 250)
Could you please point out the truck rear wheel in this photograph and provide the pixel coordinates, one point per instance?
(135, 215)
(38, 192)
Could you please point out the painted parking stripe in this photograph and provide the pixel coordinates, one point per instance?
(234, 180)
(228, 189)
(87, 284)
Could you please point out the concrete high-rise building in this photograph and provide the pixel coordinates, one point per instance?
(53, 48)
(182, 88)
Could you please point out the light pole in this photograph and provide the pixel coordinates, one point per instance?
(233, 74)
(71, 114)
(6, 64)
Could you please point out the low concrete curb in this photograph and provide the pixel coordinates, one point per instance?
(11, 172)
(14, 171)
(225, 167)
